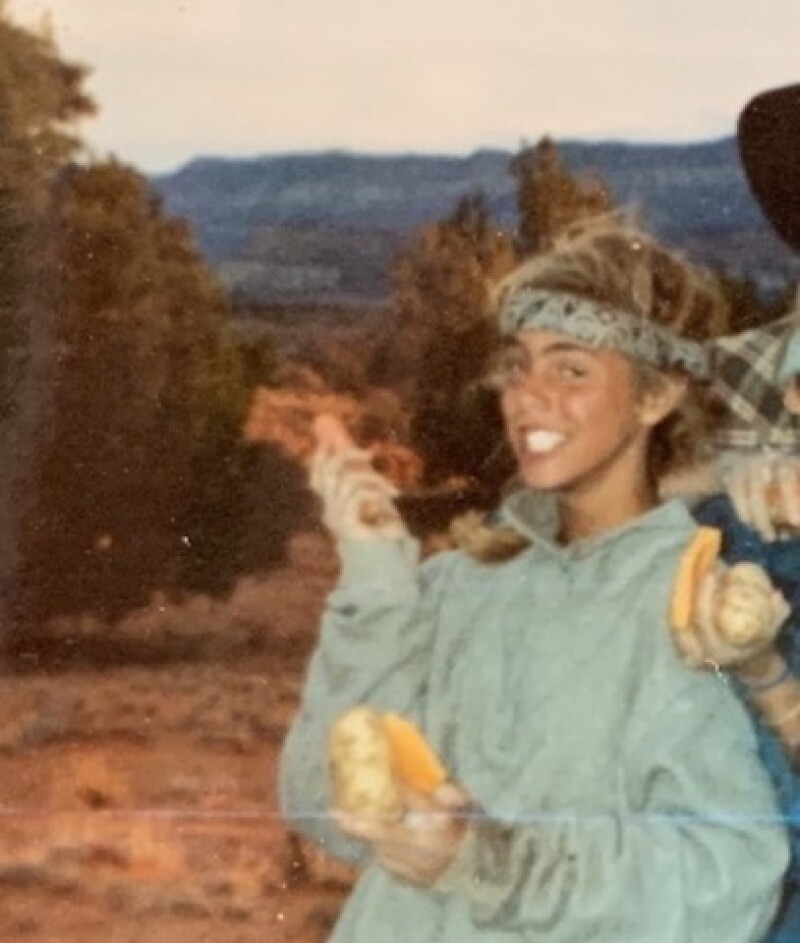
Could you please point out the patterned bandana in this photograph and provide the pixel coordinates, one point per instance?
(601, 325)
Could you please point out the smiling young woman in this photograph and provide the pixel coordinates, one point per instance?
(599, 788)
(579, 423)
(591, 421)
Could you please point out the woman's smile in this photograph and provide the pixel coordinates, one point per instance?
(542, 441)
(570, 409)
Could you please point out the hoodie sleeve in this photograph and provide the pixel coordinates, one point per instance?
(375, 639)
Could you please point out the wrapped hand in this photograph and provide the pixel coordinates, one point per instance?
(766, 493)
(357, 501)
(420, 846)
(736, 616)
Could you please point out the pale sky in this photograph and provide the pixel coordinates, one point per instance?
(177, 78)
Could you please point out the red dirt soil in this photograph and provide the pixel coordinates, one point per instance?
(137, 803)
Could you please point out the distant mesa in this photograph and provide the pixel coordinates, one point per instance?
(324, 227)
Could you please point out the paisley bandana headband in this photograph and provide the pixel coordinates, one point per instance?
(600, 325)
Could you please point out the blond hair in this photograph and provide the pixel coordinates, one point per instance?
(612, 261)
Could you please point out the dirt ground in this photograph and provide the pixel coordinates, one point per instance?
(137, 799)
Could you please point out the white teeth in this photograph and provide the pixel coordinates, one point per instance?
(542, 441)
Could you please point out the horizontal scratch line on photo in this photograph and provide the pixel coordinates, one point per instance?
(180, 814)
(542, 819)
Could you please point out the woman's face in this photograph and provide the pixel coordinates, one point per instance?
(571, 411)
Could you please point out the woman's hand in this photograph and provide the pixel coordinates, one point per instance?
(357, 502)
(766, 493)
(736, 616)
(791, 398)
(422, 845)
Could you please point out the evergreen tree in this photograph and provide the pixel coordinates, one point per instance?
(41, 97)
(441, 286)
(143, 482)
(550, 198)
(437, 354)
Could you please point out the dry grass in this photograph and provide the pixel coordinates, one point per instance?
(137, 802)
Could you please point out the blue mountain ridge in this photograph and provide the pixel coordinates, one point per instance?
(325, 226)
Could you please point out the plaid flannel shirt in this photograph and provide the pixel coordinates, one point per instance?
(747, 370)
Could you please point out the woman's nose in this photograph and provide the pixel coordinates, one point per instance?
(525, 399)
(534, 388)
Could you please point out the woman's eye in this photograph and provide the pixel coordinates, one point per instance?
(572, 371)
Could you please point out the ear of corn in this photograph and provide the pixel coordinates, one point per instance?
(414, 761)
(373, 756)
(698, 560)
(361, 766)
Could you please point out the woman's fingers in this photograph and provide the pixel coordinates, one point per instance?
(787, 477)
(452, 797)
(419, 846)
(423, 810)
(351, 489)
(328, 467)
(689, 648)
(780, 608)
(759, 478)
(766, 492)
(357, 501)
(709, 599)
(330, 433)
(736, 614)
(394, 855)
(363, 827)
(747, 488)
(746, 617)
(361, 502)
(735, 485)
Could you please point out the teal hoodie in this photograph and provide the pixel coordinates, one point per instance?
(623, 793)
